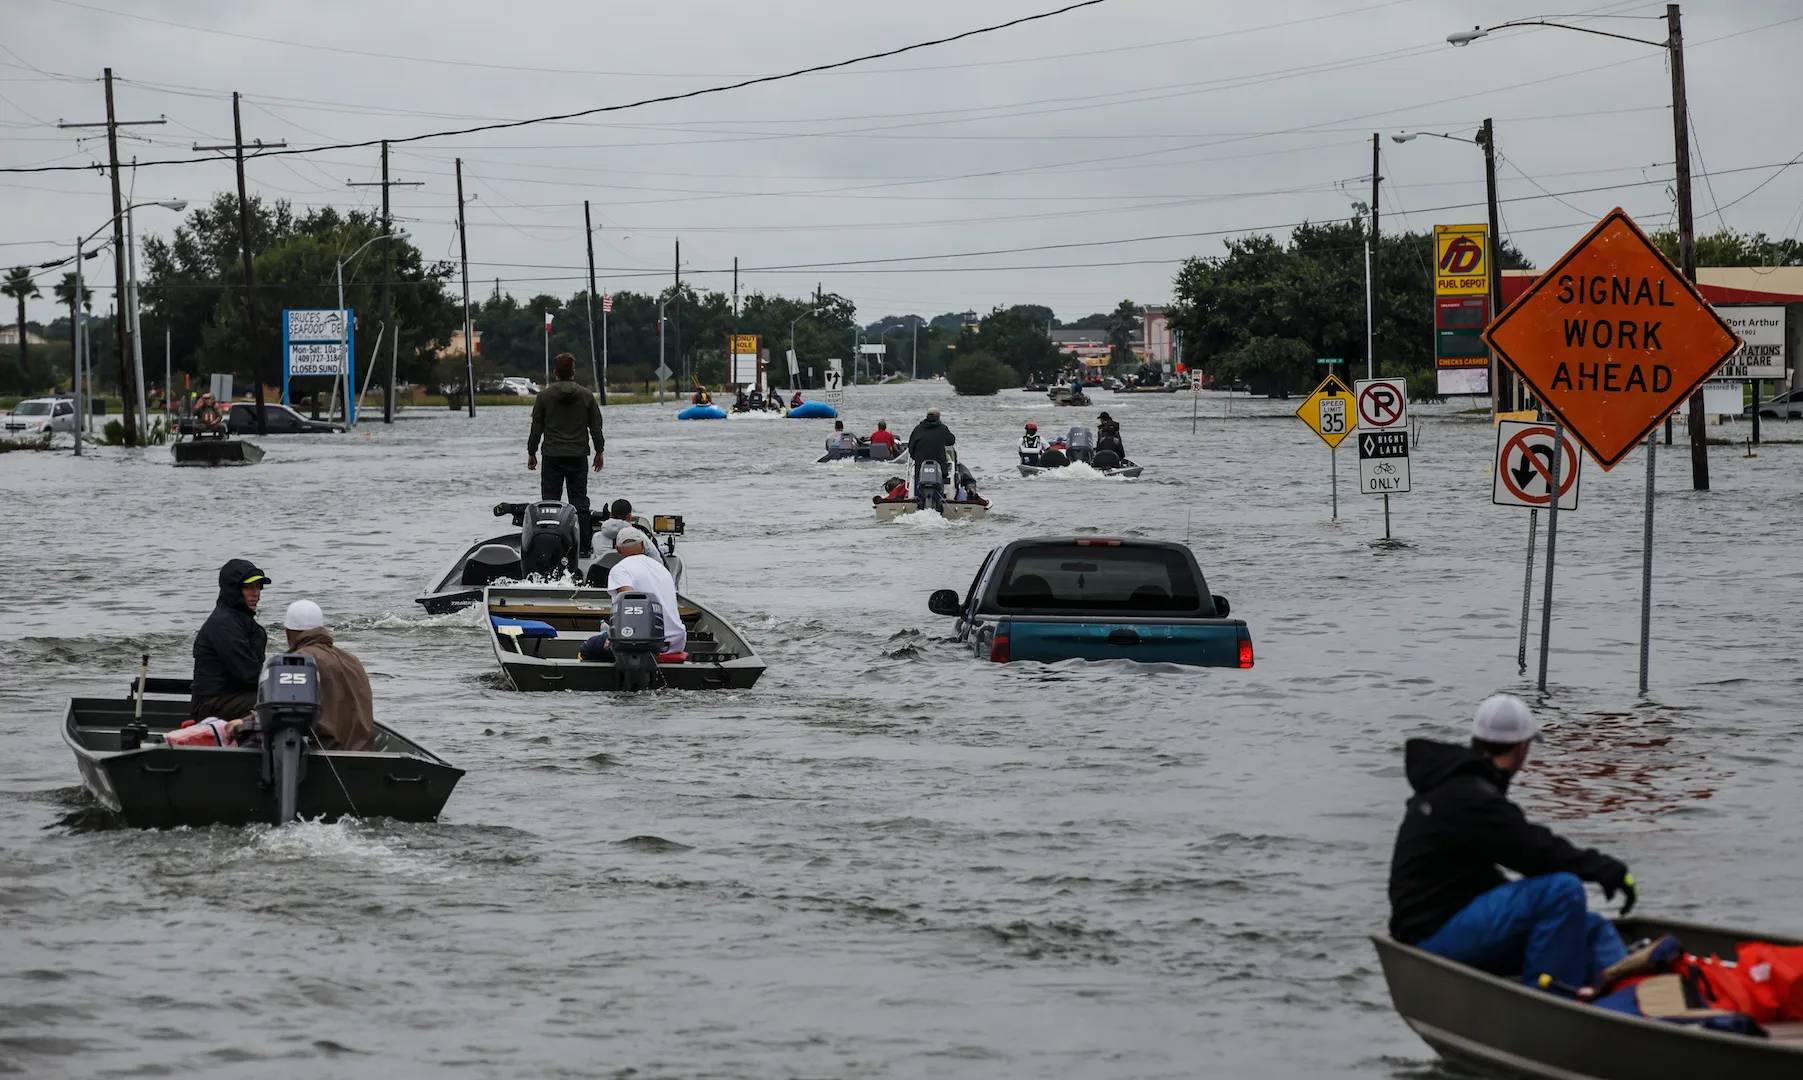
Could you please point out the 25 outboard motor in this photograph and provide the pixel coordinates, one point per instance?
(550, 540)
(635, 635)
(287, 706)
(929, 486)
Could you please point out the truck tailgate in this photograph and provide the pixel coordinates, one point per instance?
(1210, 643)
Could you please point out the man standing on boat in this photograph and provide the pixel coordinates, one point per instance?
(929, 441)
(1447, 895)
(228, 651)
(347, 713)
(566, 418)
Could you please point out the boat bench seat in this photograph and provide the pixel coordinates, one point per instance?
(525, 627)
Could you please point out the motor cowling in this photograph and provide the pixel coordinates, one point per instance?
(635, 634)
(550, 540)
(929, 483)
(288, 693)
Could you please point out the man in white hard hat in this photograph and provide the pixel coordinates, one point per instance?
(1447, 895)
(347, 716)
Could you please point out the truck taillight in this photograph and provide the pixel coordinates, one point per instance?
(1245, 658)
(1098, 543)
(998, 645)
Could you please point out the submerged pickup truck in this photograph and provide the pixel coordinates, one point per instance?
(1089, 598)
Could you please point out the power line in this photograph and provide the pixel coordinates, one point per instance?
(662, 98)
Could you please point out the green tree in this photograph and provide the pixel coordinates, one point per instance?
(1726, 247)
(1015, 336)
(978, 374)
(1122, 322)
(21, 287)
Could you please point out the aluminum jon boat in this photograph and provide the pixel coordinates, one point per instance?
(1500, 1026)
(536, 630)
(152, 785)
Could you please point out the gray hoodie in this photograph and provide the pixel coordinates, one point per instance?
(565, 416)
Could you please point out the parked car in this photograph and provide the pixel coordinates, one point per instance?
(1057, 598)
(1785, 406)
(35, 416)
(519, 387)
(280, 419)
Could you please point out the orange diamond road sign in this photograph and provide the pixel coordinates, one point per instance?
(1612, 338)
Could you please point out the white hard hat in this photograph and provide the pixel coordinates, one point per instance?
(1504, 718)
(303, 615)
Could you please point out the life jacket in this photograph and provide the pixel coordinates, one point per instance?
(1766, 983)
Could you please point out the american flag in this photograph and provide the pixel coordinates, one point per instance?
(607, 303)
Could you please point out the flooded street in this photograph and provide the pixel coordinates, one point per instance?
(887, 859)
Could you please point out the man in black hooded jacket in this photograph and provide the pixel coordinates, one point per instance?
(1447, 895)
(228, 651)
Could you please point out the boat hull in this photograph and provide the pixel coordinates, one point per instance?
(447, 593)
(1128, 471)
(215, 452)
(1498, 1025)
(889, 511)
(161, 787)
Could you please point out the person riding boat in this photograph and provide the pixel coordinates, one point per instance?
(965, 490)
(895, 489)
(701, 396)
(567, 418)
(929, 441)
(638, 572)
(1108, 436)
(228, 650)
(841, 441)
(1031, 444)
(795, 400)
(347, 714)
(1447, 895)
(207, 414)
(755, 400)
(740, 403)
(882, 435)
(620, 516)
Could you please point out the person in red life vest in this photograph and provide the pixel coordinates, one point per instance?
(895, 489)
(883, 435)
(795, 402)
(1448, 897)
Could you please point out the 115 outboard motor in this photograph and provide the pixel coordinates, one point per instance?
(635, 635)
(550, 540)
(929, 485)
(287, 706)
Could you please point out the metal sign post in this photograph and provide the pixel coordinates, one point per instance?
(1328, 412)
(1552, 544)
(1527, 592)
(1646, 563)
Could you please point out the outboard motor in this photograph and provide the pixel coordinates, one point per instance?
(929, 486)
(635, 634)
(287, 706)
(550, 540)
(1079, 444)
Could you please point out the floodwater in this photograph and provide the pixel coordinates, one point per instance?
(887, 859)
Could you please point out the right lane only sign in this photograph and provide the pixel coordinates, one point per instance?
(1524, 467)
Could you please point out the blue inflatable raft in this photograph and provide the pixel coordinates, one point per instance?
(702, 412)
(813, 410)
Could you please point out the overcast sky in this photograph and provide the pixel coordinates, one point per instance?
(1129, 119)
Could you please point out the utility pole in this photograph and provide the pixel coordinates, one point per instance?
(1687, 235)
(122, 333)
(1486, 138)
(387, 290)
(250, 282)
(463, 247)
(588, 234)
(685, 363)
(1372, 367)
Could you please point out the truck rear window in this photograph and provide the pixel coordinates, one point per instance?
(1068, 579)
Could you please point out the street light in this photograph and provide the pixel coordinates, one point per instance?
(1485, 138)
(350, 413)
(796, 319)
(1687, 249)
(177, 205)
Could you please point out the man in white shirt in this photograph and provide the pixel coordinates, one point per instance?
(639, 572)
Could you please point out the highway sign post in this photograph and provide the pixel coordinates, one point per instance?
(1383, 409)
(835, 382)
(1330, 414)
(1523, 476)
(1611, 339)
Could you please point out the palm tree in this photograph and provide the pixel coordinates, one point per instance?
(64, 291)
(19, 285)
(1122, 321)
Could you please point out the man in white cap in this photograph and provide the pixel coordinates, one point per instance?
(1447, 895)
(347, 715)
(637, 571)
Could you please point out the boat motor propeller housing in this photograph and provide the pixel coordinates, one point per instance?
(929, 486)
(287, 706)
(635, 634)
(550, 540)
